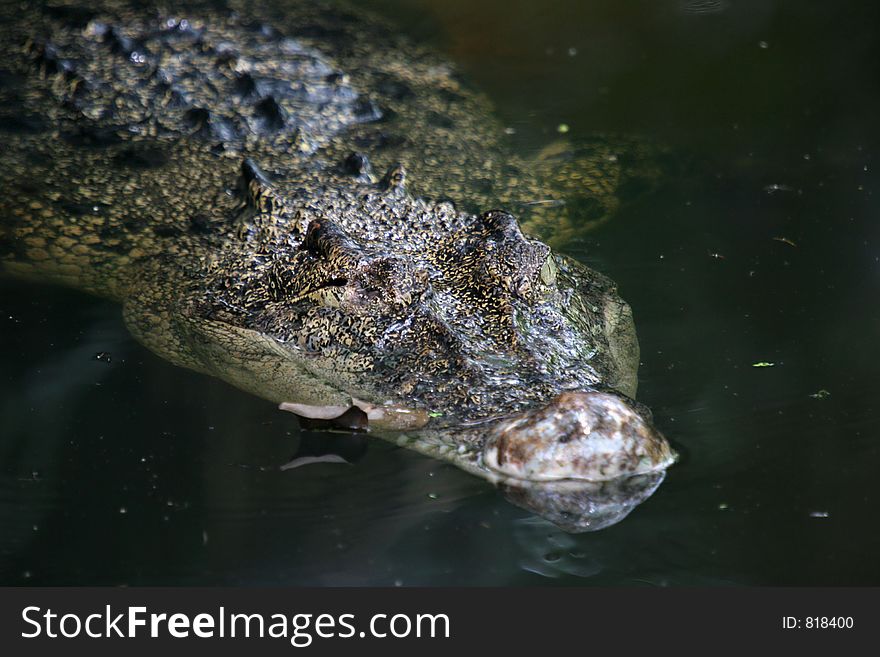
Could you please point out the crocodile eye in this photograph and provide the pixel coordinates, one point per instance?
(548, 270)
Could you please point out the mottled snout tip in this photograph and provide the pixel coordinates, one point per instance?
(592, 436)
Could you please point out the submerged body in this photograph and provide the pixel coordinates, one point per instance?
(299, 202)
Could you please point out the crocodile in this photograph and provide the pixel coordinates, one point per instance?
(296, 199)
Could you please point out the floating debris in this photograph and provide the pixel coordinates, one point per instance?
(785, 240)
(821, 394)
(562, 128)
(716, 255)
(772, 189)
(103, 356)
(763, 363)
(820, 514)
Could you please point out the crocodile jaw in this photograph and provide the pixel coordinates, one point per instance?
(387, 417)
(592, 436)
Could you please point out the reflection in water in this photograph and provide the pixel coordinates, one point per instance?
(582, 506)
(573, 506)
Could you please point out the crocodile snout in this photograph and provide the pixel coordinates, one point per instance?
(592, 435)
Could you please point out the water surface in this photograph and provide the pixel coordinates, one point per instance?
(759, 246)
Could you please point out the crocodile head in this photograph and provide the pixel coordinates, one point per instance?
(422, 317)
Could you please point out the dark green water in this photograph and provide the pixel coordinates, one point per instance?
(762, 245)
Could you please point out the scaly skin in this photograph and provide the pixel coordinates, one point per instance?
(218, 172)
